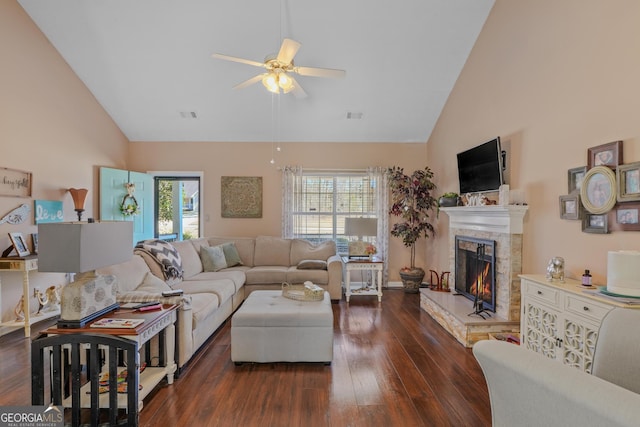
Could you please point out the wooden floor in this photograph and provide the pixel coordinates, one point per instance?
(393, 366)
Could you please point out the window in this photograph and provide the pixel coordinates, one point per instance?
(177, 204)
(323, 200)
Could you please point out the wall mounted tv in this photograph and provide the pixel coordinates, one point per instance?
(480, 168)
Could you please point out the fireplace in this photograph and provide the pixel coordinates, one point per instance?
(475, 272)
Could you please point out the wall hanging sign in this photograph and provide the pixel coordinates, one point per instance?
(48, 211)
(15, 183)
(241, 196)
(16, 216)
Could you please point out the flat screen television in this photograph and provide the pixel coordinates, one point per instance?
(480, 168)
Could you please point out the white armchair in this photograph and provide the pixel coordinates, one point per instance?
(528, 389)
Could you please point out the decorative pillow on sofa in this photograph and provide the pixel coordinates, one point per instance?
(312, 264)
(231, 255)
(152, 285)
(212, 258)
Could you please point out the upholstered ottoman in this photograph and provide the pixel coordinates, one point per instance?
(271, 328)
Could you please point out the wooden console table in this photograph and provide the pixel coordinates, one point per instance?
(25, 265)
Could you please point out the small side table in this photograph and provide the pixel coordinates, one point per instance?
(160, 323)
(374, 265)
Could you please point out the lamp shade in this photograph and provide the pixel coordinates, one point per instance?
(78, 195)
(361, 226)
(77, 247)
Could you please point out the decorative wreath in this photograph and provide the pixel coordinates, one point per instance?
(129, 205)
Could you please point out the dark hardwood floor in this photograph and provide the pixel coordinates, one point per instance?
(393, 366)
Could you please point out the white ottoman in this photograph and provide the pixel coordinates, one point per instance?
(271, 328)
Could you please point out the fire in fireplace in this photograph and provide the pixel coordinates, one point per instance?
(475, 271)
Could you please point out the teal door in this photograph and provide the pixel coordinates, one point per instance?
(113, 191)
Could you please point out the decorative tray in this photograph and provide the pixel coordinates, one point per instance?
(306, 292)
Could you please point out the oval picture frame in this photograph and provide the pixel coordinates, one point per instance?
(598, 192)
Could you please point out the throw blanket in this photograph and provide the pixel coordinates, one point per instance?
(165, 255)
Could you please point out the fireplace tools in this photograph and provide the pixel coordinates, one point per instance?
(478, 299)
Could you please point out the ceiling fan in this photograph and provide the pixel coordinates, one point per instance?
(279, 69)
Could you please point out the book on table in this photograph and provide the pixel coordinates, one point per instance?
(117, 323)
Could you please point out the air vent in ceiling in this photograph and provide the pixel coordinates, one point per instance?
(188, 114)
(354, 116)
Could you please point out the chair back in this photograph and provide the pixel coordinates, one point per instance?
(617, 353)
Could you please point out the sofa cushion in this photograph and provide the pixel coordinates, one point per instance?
(236, 275)
(203, 305)
(244, 245)
(272, 251)
(191, 263)
(129, 274)
(261, 275)
(231, 255)
(312, 264)
(297, 276)
(303, 249)
(153, 285)
(223, 288)
(212, 258)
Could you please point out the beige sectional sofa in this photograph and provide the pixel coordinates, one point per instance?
(210, 297)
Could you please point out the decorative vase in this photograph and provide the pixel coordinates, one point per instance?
(412, 279)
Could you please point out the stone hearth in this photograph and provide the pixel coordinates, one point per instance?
(503, 224)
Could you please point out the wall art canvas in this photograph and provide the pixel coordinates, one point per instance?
(241, 196)
(48, 211)
(15, 183)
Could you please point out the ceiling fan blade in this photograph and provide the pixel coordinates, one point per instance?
(235, 59)
(297, 90)
(320, 72)
(288, 50)
(249, 82)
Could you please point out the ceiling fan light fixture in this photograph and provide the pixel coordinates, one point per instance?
(270, 81)
(285, 82)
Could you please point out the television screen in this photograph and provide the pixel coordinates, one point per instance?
(480, 168)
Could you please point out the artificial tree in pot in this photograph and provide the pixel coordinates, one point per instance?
(412, 200)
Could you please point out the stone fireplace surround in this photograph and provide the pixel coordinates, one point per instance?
(504, 224)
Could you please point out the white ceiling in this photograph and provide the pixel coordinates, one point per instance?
(146, 61)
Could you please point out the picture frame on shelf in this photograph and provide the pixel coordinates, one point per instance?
(626, 217)
(595, 223)
(570, 207)
(34, 242)
(575, 177)
(628, 181)
(598, 192)
(19, 244)
(609, 155)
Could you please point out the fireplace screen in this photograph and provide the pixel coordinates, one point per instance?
(475, 271)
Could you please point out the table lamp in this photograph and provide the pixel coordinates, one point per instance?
(81, 247)
(360, 227)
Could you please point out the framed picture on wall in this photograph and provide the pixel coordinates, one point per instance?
(570, 206)
(609, 155)
(598, 192)
(628, 180)
(595, 223)
(626, 217)
(575, 178)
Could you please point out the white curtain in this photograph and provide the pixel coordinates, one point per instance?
(291, 193)
(378, 175)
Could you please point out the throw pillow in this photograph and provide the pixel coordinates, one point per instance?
(312, 264)
(212, 258)
(231, 254)
(152, 285)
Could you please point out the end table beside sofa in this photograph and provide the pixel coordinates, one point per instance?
(210, 297)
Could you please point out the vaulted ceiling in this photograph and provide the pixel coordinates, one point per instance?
(149, 64)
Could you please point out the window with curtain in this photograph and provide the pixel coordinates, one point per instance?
(321, 200)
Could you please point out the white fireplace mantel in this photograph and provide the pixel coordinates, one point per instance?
(497, 219)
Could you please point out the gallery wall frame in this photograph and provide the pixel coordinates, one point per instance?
(15, 183)
(598, 192)
(570, 207)
(592, 223)
(628, 182)
(609, 155)
(575, 176)
(625, 217)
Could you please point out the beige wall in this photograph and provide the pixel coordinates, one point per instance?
(50, 125)
(252, 159)
(552, 78)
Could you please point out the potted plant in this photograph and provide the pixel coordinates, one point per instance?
(411, 200)
(448, 200)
